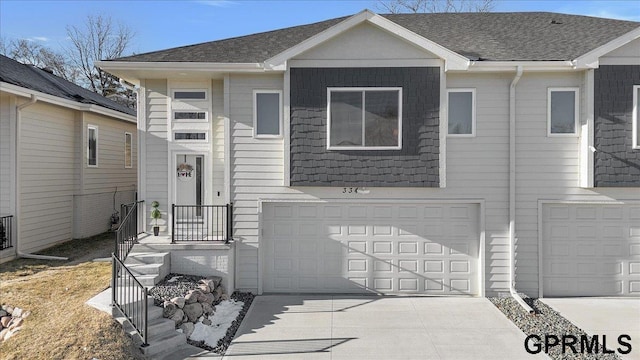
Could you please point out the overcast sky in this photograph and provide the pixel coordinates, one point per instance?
(166, 24)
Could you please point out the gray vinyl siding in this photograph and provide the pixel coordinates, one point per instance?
(47, 176)
(156, 154)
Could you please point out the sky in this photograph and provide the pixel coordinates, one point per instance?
(165, 24)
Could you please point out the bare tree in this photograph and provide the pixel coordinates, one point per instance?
(435, 6)
(31, 53)
(100, 39)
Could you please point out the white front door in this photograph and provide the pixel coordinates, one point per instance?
(189, 180)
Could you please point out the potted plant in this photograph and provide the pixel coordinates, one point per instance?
(155, 215)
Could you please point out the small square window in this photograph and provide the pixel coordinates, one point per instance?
(92, 146)
(462, 112)
(364, 118)
(128, 154)
(563, 111)
(636, 116)
(267, 113)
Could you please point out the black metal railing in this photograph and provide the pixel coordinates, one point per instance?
(130, 297)
(6, 224)
(129, 229)
(202, 222)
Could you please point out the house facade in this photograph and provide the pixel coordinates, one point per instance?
(448, 154)
(68, 159)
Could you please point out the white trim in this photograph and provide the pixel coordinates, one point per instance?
(227, 139)
(636, 116)
(473, 111)
(287, 127)
(481, 226)
(142, 148)
(442, 129)
(619, 60)
(541, 203)
(334, 63)
(95, 128)
(576, 111)
(255, 114)
(110, 66)
(586, 132)
(364, 90)
(591, 59)
(130, 150)
(51, 99)
(453, 60)
(502, 66)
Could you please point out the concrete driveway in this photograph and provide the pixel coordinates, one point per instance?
(361, 327)
(603, 316)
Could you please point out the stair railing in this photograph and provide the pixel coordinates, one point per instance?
(130, 297)
(129, 229)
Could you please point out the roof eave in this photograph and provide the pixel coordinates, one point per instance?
(453, 60)
(591, 60)
(527, 65)
(55, 100)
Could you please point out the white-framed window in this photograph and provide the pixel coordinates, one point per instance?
(92, 146)
(267, 113)
(364, 118)
(190, 94)
(190, 136)
(563, 111)
(190, 116)
(128, 153)
(461, 106)
(636, 116)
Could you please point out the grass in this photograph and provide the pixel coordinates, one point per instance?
(61, 325)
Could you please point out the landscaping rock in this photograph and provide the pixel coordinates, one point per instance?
(192, 296)
(26, 314)
(3, 333)
(204, 288)
(207, 298)
(206, 322)
(193, 311)
(3, 313)
(169, 309)
(16, 323)
(179, 301)
(187, 328)
(208, 309)
(217, 280)
(7, 308)
(177, 316)
(5, 320)
(219, 291)
(224, 297)
(17, 312)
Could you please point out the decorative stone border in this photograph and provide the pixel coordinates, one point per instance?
(11, 320)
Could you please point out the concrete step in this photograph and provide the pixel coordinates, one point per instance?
(146, 269)
(155, 312)
(148, 280)
(145, 257)
(187, 351)
(164, 343)
(161, 325)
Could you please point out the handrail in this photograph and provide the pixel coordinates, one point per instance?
(6, 225)
(128, 295)
(202, 223)
(128, 231)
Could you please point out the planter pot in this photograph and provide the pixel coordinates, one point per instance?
(156, 230)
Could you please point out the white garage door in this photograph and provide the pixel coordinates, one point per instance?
(364, 248)
(591, 250)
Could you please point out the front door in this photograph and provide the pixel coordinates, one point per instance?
(189, 185)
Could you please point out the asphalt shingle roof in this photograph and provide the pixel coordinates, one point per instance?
(34, 78)
(535, 36)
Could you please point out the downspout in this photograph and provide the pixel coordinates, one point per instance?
(512, 192)
(19, 108)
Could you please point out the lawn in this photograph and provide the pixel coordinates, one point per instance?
(61, 326)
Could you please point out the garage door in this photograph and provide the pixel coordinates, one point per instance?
(591, 250)
(370, 248)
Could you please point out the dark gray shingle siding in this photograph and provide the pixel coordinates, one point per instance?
(415, 165)
(486, 36)
(617, 164)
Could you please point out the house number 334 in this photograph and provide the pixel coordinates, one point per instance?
(350, 190)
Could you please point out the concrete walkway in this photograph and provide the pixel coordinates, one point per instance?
(603, 316)
(360, 327)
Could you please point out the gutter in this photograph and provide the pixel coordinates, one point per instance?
(19, 109)
(512, 191)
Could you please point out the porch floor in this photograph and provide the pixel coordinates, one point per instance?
(162, 242)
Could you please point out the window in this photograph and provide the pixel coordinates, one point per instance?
(190, 95)
(462, 112)
(267, 114)
(190, 115)
(128, 155)
(190, 136)
(364, 118)
(636, 116)
(92, 146)
(562, 108)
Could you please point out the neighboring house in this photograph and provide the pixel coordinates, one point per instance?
(409, 153)
(68, 159)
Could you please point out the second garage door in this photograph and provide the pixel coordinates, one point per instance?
(371, 248)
